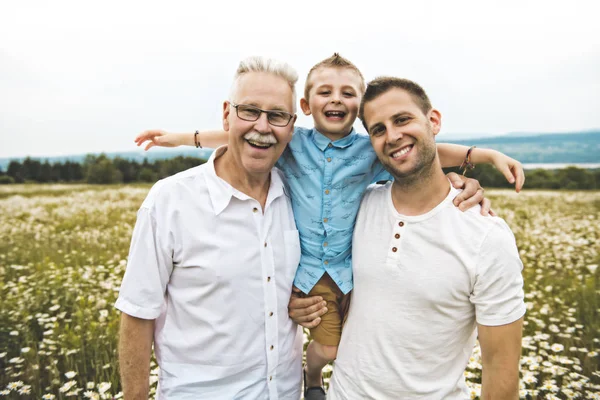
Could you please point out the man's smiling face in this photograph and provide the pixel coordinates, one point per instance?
(402, 136)
(256, 145)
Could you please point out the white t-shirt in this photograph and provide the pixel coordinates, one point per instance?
(216, 275)
(420, 285)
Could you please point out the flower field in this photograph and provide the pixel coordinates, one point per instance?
(63, 251)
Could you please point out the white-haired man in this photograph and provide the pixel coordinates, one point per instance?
(213, 258)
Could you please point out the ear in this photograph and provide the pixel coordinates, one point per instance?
(304, 106)
(435, 119)
(226, 112)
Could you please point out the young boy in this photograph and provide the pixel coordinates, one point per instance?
(328, 168)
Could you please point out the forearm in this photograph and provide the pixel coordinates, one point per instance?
(210, 139)
(500, 382)
(183, 139)
(453, 155)
(500, 354)
(135, 348)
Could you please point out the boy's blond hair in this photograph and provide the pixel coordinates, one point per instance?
(335, 61)
(268, 65)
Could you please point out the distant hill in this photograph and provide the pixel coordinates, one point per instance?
(546, 148)
(576, 147)
(138, 156)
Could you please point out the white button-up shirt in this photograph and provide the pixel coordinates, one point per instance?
(216, 274)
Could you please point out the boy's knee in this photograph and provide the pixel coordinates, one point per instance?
(329, 352)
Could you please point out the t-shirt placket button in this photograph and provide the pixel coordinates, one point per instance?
(397, 236)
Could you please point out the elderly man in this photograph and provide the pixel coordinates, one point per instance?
(212, 261)
(427, 278)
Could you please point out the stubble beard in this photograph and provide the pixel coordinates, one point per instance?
(420, 173)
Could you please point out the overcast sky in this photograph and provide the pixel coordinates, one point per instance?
(80, 76)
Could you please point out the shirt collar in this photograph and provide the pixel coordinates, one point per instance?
(323, 141)
(221, 192)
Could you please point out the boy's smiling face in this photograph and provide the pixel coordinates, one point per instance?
(333, 100)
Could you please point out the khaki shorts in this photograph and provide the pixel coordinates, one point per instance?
(329, 331)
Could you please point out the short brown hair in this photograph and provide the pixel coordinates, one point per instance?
(335, 61)
(384, 84)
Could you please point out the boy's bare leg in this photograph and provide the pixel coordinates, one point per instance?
(317, 356)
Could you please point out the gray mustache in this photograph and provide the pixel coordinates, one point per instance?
(260, 138)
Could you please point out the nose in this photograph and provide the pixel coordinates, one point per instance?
(262, 125)
(393, 135)
(336, 98)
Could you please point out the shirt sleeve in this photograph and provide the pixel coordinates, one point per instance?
(149, 267)
(498, 290)
(282, 160)
(287, 153)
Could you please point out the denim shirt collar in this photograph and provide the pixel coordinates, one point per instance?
(322, 141)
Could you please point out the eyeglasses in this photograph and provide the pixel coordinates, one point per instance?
(251, 113)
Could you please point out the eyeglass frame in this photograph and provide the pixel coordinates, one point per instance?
(234, 105)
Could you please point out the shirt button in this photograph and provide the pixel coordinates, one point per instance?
(271, 314)
(327, 191)
(271, 347)
(397, 236)
(329, 145)
(268, 279)
(255, 210)
(325, 220)
(394, 249)
(400, 223)
(325, 244)
(328, 159)
(271, 378)
(265, 244)
(326, 262)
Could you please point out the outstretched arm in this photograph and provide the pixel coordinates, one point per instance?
(156, 137)
(452, 155)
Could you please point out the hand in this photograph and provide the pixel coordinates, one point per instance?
(158, 137)
(510, 168)
(306, 311)
(471, 195)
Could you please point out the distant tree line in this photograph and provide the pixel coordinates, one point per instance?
(569, 178)
(103, 170)
(95, 169)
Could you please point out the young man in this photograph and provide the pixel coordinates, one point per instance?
(328, 169)
(427, 277)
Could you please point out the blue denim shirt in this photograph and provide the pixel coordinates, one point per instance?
(327, 180)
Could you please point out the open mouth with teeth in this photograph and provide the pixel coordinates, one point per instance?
(401, 152)
(336, 115)
(258, 145)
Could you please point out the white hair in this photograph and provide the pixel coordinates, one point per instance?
(268, 65)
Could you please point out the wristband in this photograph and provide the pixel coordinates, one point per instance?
(467, 164)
